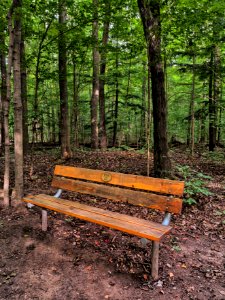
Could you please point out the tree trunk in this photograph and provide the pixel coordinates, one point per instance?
(53, 124)
(189, 127)
(75, 106)
(105, 37)
(192, 105)
(37, 81)
(18, 107)
(143, 123)
(149, 119)
(64, 115)
(127, 117)
(95, 80)
(115, 122)
(212, 112)
(24, 95)
(220, 116)
(3, 97)
(6, 104)
(203, 118)
(216, 87)
(150, 15)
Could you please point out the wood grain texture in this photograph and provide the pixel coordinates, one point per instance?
(124, 223)
(163, 203)
(164, 186)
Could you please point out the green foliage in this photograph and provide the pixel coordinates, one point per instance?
(216, 156)
(187, 27)
(194, 184)
(176, 248)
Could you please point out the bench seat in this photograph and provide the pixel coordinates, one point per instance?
(154, 193)
(132, 225)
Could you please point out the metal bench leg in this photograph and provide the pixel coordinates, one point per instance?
(44, 220)
(155, 260)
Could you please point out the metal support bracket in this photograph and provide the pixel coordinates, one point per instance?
(167, 219)
(58, 193)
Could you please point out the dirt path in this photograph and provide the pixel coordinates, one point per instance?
(79, 260)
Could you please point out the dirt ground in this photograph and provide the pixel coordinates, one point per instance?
(83, 261)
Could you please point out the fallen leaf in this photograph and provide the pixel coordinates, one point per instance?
(145, 277)
(183, 266)
(88, 268)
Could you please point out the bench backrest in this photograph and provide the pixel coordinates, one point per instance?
(120, 187)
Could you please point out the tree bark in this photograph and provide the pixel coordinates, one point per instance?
(203, 119)
(149, 120)
(6, 104)
(64, 113)
(3, 97)
(212, 112)
(75, 106)
(105, 37)
(220, 117)
(18, 107)
(150, 15)
(115, 122)
(24, 94)
(143, 119)
(216, 87)
(37, 81)
(127, 117)
(192, 105)
(95, 80)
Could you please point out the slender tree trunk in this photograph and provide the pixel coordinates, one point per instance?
(18, 107)
(64, 113)
(37, 81)
(102, 123)
(6, 110)
(95, 80)
(192, 105)
(220, 117)
(53, 124)
(216, 87)
(3, 97)
(24, 94)
(143, 128)
(150, 15)
(127, 118)
(115, 122)
(149, 118)
(212, 131)
(203, 126)
(75, 106)
(189, 127)
(49, 132)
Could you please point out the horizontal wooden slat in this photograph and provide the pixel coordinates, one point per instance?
(163, 186)
(163, 203)
(124, 223)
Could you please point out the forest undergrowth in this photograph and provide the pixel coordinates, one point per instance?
(79, 260)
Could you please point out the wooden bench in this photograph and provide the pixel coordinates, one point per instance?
(154, 193)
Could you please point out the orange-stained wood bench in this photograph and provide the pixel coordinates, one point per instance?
(154, 193)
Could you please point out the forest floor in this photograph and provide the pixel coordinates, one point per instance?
(80, 260)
